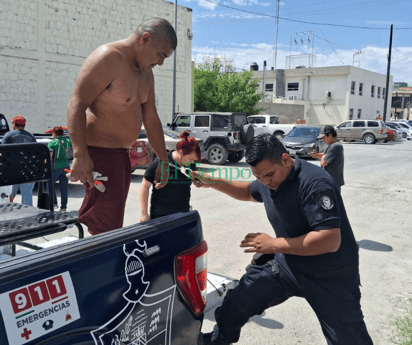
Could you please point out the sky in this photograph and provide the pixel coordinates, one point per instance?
(245, 31)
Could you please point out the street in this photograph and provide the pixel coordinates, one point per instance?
(377, 197)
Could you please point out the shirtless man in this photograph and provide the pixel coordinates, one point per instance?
(113, 96)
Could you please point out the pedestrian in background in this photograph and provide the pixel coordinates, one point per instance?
(58, 151)
(332, 160)
(20, 136)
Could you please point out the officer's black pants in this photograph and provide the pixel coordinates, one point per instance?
(335, 298)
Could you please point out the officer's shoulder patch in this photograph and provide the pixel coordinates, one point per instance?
(326, 202)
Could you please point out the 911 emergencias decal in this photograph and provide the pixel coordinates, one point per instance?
(35, 310)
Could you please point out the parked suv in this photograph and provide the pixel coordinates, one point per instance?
(369, 131)
(225, 135)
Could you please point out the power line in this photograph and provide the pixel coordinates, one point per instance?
(303, 22)
(332, 48)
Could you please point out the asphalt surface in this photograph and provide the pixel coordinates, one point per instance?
(377, 197)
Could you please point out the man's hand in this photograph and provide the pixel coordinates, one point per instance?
(82, 170)
(314, 154)
(144, 217)
(162, 175)
(259, 243)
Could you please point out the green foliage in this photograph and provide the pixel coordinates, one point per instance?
(404, 329)
(219, 88)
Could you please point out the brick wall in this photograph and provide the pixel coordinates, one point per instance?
(43, 44)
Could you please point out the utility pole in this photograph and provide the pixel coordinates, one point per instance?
(174, 69)
(388, 74)
(277, 32)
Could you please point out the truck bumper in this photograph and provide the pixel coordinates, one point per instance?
(236, 147)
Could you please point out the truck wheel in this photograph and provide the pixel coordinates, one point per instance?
(279, 135)
(236, 156)
(217, 154)
(369, 139)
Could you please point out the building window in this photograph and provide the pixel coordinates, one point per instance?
(383, 93)
(373, 91)
(293, 86)
(359, 113)
(379, 92)
(360, 89)
(350, 114)
(352, 88)
(269, 87)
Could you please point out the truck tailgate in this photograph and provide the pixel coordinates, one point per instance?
(114, 288)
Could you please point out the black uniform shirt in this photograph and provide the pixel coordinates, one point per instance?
(175, 196)
(308, 200)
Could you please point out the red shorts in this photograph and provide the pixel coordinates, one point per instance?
(102, 212)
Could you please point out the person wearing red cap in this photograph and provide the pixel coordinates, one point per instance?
(20, 136)
(58, 150)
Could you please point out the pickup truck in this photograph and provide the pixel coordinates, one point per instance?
(269, 124)
(143, 284)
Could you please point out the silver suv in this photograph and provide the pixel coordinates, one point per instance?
(370, 131)
(225, 135)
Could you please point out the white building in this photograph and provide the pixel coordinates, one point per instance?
(43, 44)
(329, 95)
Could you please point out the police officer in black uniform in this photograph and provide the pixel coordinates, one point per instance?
(314, 254)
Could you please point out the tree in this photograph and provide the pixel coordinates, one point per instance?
(219, 88)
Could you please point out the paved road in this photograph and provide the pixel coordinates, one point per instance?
(377, 197)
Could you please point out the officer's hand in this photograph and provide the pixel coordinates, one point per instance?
(81, 169)
(258, 243)
(162, 175)
(200, 180)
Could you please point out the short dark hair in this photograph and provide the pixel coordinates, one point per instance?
(160, 29)
(264, 146)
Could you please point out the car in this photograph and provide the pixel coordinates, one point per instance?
(225, 134)
(404, 131)
(269, 124)
(398, 132)
(302, 140)
(390, 136)
(368, 131)
(171, 139)
(405, 127)
(140, 154)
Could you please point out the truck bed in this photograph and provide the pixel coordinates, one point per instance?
(115, 288)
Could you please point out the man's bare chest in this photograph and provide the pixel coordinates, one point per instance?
(129, 90)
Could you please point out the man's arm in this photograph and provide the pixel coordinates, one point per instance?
(144, 200)
(154, 131)
(235, 189)
(94, 77)
(313, 243)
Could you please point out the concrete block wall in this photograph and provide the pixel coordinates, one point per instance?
(43, 44)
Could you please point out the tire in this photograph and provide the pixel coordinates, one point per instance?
(369, 139)
(279, 135)
(236, 156)
(248, 132)
(217, 154)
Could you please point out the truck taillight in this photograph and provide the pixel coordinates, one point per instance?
(191, 276)
(381, 130)
(235, 135)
